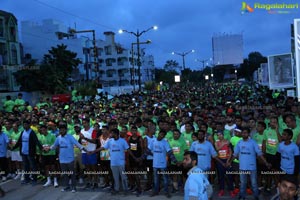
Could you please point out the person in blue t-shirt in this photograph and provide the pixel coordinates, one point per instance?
(117, 147)
(288, 153)
(4, 141)
(66, 143)
(196, 184)
(205, 151)
(160, 148)
(246, 151)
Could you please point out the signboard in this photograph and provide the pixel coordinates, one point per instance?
(264, 70)
(280, 71)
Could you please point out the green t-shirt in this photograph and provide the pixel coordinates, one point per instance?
(270, 136)
(8, 132)
(178, 147)
(259, 139)
(14, 138)
(47, 140)
(40, 137)
(71, 128)
(297, 120)
(187, 138)
(142, 131)
(9, 105)
(20, 103)
(296, 132)
(169, 135)
(281, 124)
(233, 141)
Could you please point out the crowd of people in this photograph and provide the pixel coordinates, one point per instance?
(198, 139)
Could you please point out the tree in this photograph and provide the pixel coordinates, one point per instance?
(251, 64)
(165, 76)
(171, 65)
(53, 73)
(29, 78)
(57, 67)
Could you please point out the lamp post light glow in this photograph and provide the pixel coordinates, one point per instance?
(235, 72)
(137, 34)
(183, 56)
(177, 78)
(206, 77)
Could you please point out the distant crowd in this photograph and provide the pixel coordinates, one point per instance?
(235, 129)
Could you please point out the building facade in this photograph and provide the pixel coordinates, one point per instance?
(104, 60)
(10, 51)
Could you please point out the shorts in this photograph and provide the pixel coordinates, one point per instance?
(89, 159)
(15, 156)
(49, 160)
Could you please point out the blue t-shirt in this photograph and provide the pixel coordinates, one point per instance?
(247, 151)
(195, 185)
(205, 151)
(66, 147)
(25, 142)
(288, 152)
(159, 150)
(117, 150)
(149, 141)
(3, 144)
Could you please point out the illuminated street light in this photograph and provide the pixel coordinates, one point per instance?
(137, 34)
(183, 56)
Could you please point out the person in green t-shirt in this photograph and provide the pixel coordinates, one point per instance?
(16, 158)
(178, 146)
(269, 147)
(48, 158)
(187, 134)
(290, 121)
(9, 104)
(19, 102)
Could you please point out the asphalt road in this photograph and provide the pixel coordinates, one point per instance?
(16, 191)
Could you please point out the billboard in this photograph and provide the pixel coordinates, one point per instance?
(280, 71)
(264, 74)
(227, 49)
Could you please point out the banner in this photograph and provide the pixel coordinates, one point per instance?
(280, 71)
(264, 74)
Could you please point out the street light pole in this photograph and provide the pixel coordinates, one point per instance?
(183, 56)
(137, 35)
(132, 57)
(202, 61)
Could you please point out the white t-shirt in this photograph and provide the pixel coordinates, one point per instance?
(89, 135)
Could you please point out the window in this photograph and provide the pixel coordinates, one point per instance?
(12, 34)
(1, 27)
(14, 55)
(107, 50)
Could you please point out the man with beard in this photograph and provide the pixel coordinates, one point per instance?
(287, 188)
(196, 184)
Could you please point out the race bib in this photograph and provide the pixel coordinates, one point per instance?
(176, 150)
(133, 146)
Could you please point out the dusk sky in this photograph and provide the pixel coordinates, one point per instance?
(182, 24)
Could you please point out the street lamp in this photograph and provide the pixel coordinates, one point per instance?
(132, 58)
(202, 61)
(183, 56)
(137, 34)
(235, 72)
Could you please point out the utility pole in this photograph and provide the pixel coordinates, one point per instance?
(95, 51)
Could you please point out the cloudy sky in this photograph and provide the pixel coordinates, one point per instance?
(183, 24)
